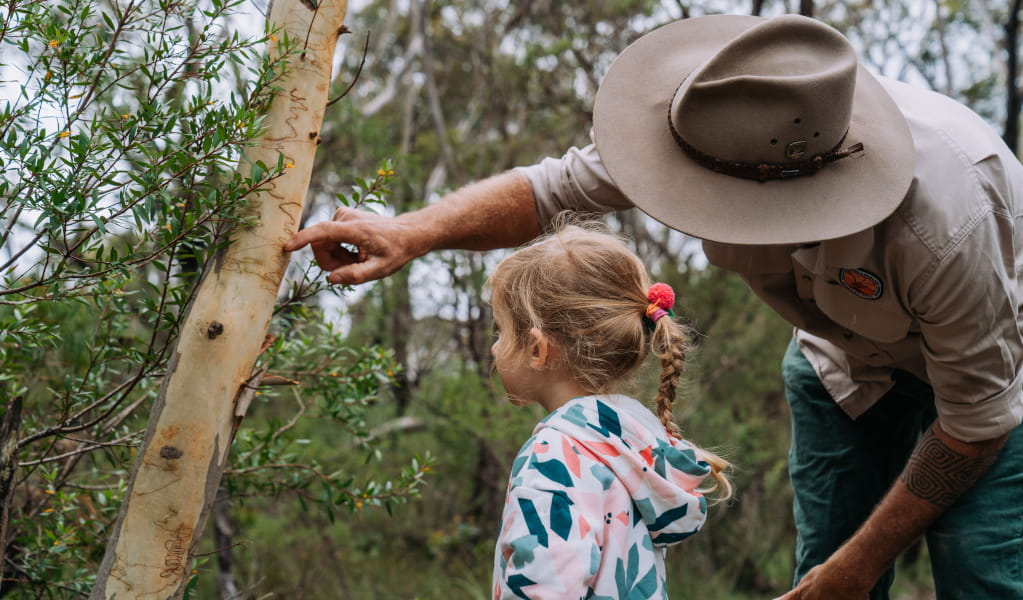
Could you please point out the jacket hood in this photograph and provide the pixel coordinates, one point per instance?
(660, 473)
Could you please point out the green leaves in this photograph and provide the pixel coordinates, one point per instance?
(124, 114)
(279, 452)
(368, 192)
(121, 128)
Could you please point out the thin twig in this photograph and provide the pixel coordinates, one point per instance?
(96, 445)
(362, 63)
(64, 428)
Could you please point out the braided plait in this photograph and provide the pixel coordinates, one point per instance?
(670, 342)
(670, 347)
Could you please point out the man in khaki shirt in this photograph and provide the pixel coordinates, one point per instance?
(877, 218)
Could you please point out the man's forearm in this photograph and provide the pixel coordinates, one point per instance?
(498, 212)
(357, 246)
(940, 470)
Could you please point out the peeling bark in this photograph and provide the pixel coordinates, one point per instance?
(185, 451)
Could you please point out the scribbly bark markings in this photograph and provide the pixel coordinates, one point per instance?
(287, 208)
(939, 474)
(174, 562)
(296, 107)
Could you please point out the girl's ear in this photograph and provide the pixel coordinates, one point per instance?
(539, 349)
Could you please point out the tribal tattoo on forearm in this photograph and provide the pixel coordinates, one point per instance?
(939, 474)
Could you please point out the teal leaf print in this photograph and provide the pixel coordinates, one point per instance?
(645, 587)
(575, 415)
(668, 517)
(522, 550)
(554, 470)
(683, 460)
(626, 577)
(603, 474)
(623, 585)
(561, 515)
(667, 539)
(517, 582)
(594, 559)
(633, 569)
(646, 508)
(609, 422)
(520, 461)
(533, 522)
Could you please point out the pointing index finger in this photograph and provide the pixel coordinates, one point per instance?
(326, 231)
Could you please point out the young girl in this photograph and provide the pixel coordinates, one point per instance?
(603, 486)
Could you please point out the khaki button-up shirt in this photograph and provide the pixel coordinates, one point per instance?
(935, 289)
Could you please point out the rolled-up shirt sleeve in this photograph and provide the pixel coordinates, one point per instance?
(576, 182)
(970, 336)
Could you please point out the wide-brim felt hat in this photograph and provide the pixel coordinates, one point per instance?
(750, 130)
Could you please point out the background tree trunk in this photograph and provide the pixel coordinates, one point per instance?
(9, 426)
(223, 541)
(185, 451)
(1012, 95)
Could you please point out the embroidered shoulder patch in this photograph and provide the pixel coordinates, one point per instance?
(861, 282)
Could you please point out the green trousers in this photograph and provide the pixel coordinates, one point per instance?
(840, 468)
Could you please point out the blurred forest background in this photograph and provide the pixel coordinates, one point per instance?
(381, 474)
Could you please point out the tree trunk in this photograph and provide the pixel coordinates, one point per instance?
(9, 427)
(223, 541)
(1013, 102)
(182, 459)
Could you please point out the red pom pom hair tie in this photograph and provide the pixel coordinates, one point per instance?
(661, 298)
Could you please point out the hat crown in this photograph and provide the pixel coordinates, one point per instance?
(781, 92)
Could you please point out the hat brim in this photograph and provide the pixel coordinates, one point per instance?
(630, 128)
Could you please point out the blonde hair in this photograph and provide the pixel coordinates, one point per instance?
(587, 292)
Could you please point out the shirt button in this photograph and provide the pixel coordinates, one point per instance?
(807, 278)
(847, 335)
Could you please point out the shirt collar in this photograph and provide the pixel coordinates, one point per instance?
(851, 251)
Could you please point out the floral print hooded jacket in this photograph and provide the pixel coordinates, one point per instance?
(594, 498)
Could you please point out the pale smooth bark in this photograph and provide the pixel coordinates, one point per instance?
(185, 452)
